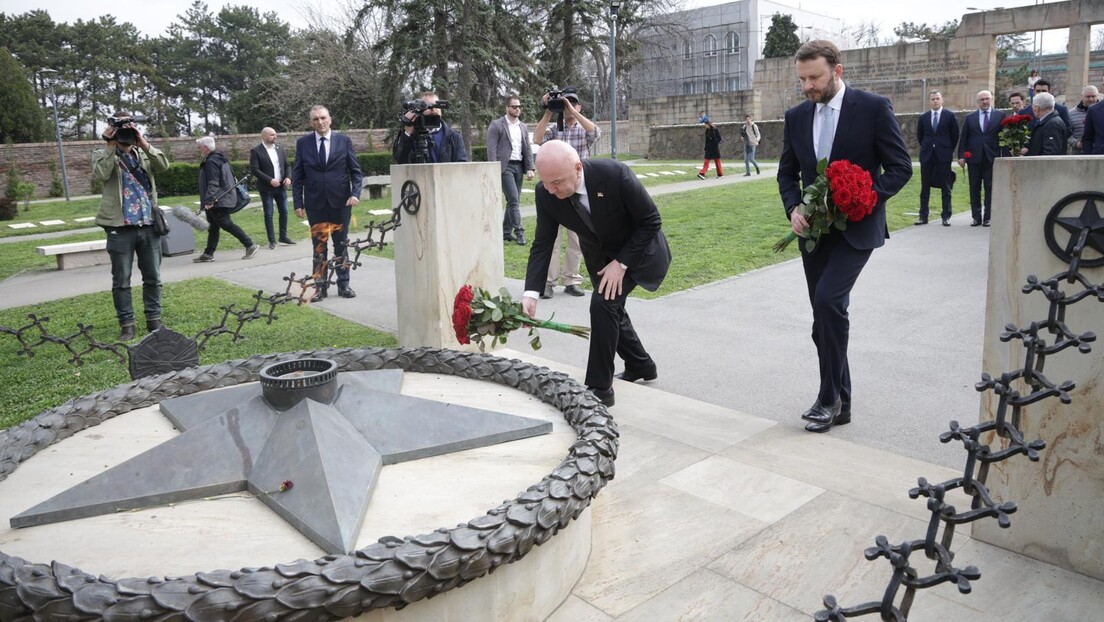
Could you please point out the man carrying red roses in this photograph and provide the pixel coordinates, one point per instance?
(837, 123)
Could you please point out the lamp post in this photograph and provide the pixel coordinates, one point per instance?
(49, 77)
(614, 5)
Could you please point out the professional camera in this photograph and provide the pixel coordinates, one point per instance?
(556, 98)
(423, 123)
(419, 106)
(126, 135)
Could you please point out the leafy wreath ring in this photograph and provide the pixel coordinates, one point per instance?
(392, 572)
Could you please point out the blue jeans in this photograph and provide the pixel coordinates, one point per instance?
(749, 159)
(123, 245)
(512, 177)
(279, 196)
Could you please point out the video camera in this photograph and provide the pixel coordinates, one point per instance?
(423, 124)
(556, 98)
(126, 135)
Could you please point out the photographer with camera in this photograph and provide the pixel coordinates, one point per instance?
(581, 133)
(216, 195)
(126, 215)
(426, 137)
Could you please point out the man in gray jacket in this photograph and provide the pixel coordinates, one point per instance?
(216, 194)
(508, 142)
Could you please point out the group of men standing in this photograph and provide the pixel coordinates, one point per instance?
(1054, 130)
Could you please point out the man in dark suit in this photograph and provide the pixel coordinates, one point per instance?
(326, 184)
(1092, 139)
(937, 133)
(623, 246)
(980, 138)
(445, 144)
(268, 163)
(508, 142)
(837, 122)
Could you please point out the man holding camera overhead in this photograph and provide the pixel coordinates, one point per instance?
(126, 215)
(581, 133)
(445, 144)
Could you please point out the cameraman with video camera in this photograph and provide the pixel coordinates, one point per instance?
(126, 215)
(422, 123)
(581, 133)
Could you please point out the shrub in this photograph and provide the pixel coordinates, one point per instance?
(8, 209)
(479, 153)
(56, 187)
(375, 163)
(25, 191)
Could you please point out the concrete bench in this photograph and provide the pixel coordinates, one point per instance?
(77, 254)
(376, 184)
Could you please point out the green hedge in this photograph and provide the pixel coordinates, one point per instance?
(182, 178)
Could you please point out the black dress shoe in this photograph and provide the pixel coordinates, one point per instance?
(520, 238)
(821, 418)
(922, 221)
(506, 237)
(604, 395)
(547, 293)
(287, 241)
(318, 295)
(985, 223)
(573, 290)
(975, 223)
(346, 292)
(820, 412)
(631, 375)
(126, 332)
(946, 222)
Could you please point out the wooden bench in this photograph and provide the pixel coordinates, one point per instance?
(77, 254)
(376, 184)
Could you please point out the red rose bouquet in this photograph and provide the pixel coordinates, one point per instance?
(1014, 132)
(476, 315)
(842, 192)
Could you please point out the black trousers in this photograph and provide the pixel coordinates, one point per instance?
(219, 219)
(611, 331)
(830, 273)
(981, 175)
(321, 236)
(927, 171)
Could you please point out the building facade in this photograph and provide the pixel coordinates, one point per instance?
(713, 49)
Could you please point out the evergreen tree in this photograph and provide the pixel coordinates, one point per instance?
(21, 118)
(781, 37)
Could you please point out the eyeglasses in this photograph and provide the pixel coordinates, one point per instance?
(514, 106)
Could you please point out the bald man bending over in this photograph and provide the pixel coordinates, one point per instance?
(623, 246)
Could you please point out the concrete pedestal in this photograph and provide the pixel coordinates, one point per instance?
(454, 239)
(1061, 508)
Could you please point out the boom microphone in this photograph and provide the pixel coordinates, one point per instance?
(190, 218)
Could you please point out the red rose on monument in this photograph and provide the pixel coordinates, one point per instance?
(477, 315)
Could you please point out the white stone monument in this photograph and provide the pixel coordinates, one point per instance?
(455, 238)
(1061, 497)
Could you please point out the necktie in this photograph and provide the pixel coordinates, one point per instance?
(322, 150)
(824, 146)
(584, 215)
(935, 121)
(984, 120)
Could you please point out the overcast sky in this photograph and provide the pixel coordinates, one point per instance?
(152, 17)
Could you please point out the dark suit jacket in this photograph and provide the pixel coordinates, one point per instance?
(315, 185)
(452, 147)
(984, 147)
(1092, 140)
(499, 147)
(867, 135)
(626, 227)
(1062, 111)
(261, 167)
(1049, 137)
(937, 146)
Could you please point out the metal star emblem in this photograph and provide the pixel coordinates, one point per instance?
(1088, 221)
(232, 440)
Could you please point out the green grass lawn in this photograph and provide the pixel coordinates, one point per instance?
(719, 232)
(33, 384)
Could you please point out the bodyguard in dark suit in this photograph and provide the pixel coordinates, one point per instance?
(268, 163)
(623, 246)
(1092, 140)
(837, 123)
(937, 133)
(326, 184)
(980, 138)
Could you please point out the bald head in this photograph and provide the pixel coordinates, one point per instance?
(984, 100)
(268, 135)
(559, 167)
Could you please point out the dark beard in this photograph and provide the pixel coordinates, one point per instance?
(830, 92)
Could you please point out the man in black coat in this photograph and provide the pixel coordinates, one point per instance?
(937, 133)
(1050, 134)
(980, 139)
(269, 165)
(623, 246)
(837, 122)
(445, 144)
